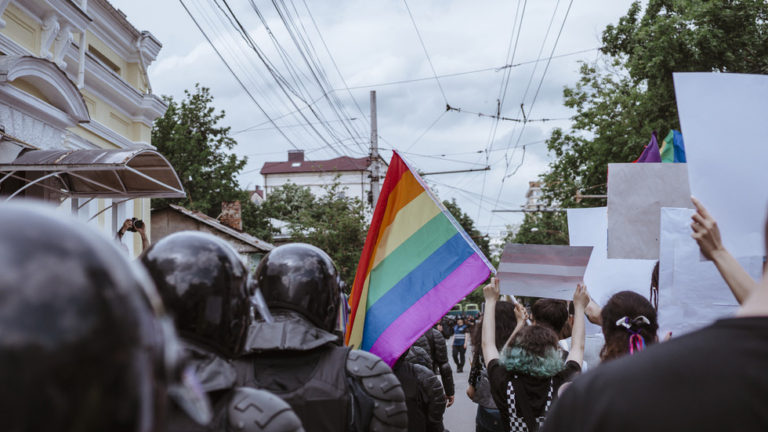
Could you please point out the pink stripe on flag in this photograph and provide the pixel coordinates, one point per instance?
(404, 331)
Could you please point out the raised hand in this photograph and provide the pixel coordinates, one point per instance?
(581, 297)
(705, 231)
(491, 291)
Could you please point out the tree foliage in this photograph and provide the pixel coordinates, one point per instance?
(619, 103)
(333, 222)
(481, 240)
(190, 137)
(541, 228)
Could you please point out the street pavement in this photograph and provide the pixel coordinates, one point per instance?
(460, 417)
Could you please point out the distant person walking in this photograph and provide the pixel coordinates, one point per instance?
(459, 344)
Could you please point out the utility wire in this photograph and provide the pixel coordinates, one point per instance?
(498, 117)
(530, 109)
(236, 77)
(427, 130)
(426, 53)
(281, 81)
(503, 88)
(469, 72)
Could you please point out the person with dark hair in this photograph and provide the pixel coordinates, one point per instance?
(424, 395)
(629, 325)
(550, 313)
(459, 344)
(488, 418)
(712, 379)
(526, 377)
(433, 342)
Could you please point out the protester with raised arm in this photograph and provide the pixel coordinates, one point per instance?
(712, 379)
(707, 235)
(526, 376)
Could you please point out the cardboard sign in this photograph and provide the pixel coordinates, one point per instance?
(636, 194)
(723, 117)
(692, 293)
(542, 270)
(604, 277)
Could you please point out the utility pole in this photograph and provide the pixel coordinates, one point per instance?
(375, 166)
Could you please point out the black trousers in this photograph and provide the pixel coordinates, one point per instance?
(458, 356)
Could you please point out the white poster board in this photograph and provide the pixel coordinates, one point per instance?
(724, 120)
(692, 294)
(636, 193)
(549, 271)
(605, 277)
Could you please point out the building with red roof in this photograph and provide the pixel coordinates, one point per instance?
(352, 173)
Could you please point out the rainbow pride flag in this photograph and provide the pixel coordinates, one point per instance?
(416, 264)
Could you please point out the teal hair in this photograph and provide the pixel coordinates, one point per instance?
(522, 361)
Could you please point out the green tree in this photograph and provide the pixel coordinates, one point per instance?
(288, 202)
(256, 219)
(481, 240)
(199, 149)
(549, 228)
(620, 102)
(333, 222)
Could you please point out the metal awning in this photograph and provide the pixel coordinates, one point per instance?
(140, 173)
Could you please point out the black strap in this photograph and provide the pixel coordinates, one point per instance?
(525, 405)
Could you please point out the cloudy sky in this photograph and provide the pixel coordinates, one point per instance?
(375, 46)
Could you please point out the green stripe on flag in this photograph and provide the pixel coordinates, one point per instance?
(409, 255)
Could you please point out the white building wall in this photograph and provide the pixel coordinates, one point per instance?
(357, 183)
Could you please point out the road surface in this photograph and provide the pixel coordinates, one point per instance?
(460, 417)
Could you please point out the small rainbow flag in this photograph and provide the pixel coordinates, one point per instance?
(416, 264)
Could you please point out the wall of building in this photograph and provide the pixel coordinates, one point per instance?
(357, 183)
(110, 73)
(168, 221)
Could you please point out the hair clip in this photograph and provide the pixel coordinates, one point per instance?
(623, 322)
(637, 321)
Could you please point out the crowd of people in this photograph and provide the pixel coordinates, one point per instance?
(186, 338)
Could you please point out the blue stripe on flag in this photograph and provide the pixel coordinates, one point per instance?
(413, 286)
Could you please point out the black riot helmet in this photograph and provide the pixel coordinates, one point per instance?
(302, 278)
(205, 287)
(84, 345)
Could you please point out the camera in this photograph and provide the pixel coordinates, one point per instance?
(136, 223)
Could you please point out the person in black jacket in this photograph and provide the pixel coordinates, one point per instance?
(433, 342)
(424, 394)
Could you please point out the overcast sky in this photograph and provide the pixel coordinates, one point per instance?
(375, 43)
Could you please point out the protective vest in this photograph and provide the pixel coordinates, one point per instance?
(417, 420)
(314, 384)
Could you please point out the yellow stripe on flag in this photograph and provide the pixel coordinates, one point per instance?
(407, 221)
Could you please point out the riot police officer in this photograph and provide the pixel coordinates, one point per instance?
(207, 290)
(330, 387)
(84, 343)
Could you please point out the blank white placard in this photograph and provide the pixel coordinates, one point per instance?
(724, 120)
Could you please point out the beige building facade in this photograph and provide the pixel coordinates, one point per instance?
(73, 76)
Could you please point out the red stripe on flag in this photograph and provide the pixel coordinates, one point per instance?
(395, 171)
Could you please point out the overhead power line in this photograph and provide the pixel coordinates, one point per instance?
(499, 117)
(469, 72)
(263, 111)
(426, 53)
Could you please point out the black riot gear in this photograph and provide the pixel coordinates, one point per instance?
(84, 344)
(297, 356)
(302, 278)
(205, 287)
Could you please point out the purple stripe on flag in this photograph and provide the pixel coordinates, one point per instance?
(404, 331)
